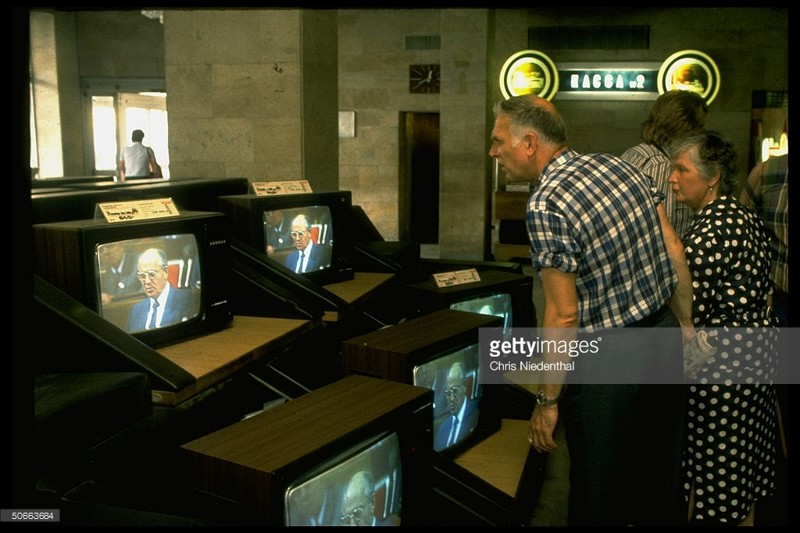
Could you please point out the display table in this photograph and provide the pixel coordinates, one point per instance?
(213, 358)
(356, 291)
(500, 458)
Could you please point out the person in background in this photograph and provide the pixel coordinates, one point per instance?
(731, 440)
(164, 304)
(278, 231)
(767, 192)
(138, 161)
(673, 114)
(307, 255)
(609, 260)
(117, 272)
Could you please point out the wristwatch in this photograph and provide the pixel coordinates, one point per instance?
(544, 401)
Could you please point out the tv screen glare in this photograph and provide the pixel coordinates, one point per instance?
(455, 380)
(160, 280)
(362, 487)
(309, 234)
(498, 305)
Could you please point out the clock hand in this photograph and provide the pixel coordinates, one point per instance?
(430, 74)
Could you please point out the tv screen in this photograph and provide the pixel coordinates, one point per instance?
(301, 239)
(136, 274)
(498, 305)
(362, 487)
(454, 377)
(353, 452)
(160, 280)
(440, 352)
(309, 234)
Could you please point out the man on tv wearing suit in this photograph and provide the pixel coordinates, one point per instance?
(358, 503)
(165, 305)
(308, 255)
(461, 414)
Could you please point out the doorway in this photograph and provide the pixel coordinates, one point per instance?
(419, 178)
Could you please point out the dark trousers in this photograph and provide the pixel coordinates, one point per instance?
(626, 441)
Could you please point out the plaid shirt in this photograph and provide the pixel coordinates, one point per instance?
(595, 215)
(767, 192)
(655, 162)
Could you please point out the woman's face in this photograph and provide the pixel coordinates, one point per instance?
(690, 187)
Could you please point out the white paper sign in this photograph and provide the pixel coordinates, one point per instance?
(138, 210)
(459, 277)
(266, 188)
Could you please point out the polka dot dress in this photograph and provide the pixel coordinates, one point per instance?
(732, 425)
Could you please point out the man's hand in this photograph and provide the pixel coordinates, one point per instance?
(542, 427)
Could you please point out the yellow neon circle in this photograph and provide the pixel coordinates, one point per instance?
(529, 72)
(690, 70)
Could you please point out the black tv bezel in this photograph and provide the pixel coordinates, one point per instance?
(79, 276)
(247, 212)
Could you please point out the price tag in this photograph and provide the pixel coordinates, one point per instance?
(459, 277)
(138, 210)
(267, 188)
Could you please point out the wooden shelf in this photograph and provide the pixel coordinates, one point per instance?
(357, 290)
(217, 356)
(510, 443)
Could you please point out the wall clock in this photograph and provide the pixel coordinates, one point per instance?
(424, 79)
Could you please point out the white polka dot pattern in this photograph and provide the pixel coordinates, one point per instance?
(731, 451)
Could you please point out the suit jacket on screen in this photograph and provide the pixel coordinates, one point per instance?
(181, 306)
(319, 258)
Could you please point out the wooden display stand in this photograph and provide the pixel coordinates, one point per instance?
(356, 291)
(511, 444)
(217, 356)
(246, 468)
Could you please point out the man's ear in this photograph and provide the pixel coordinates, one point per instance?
(531, 142)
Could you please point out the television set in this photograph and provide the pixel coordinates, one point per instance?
(498, 292)
(440, 352)
(118, 269)
(307, 233)
(354, 452)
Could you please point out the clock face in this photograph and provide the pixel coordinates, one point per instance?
(424, 79)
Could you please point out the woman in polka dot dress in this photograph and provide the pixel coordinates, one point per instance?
(730, 455)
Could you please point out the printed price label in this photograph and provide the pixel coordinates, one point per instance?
(458, 277)
(138, 210)
(266, 188)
